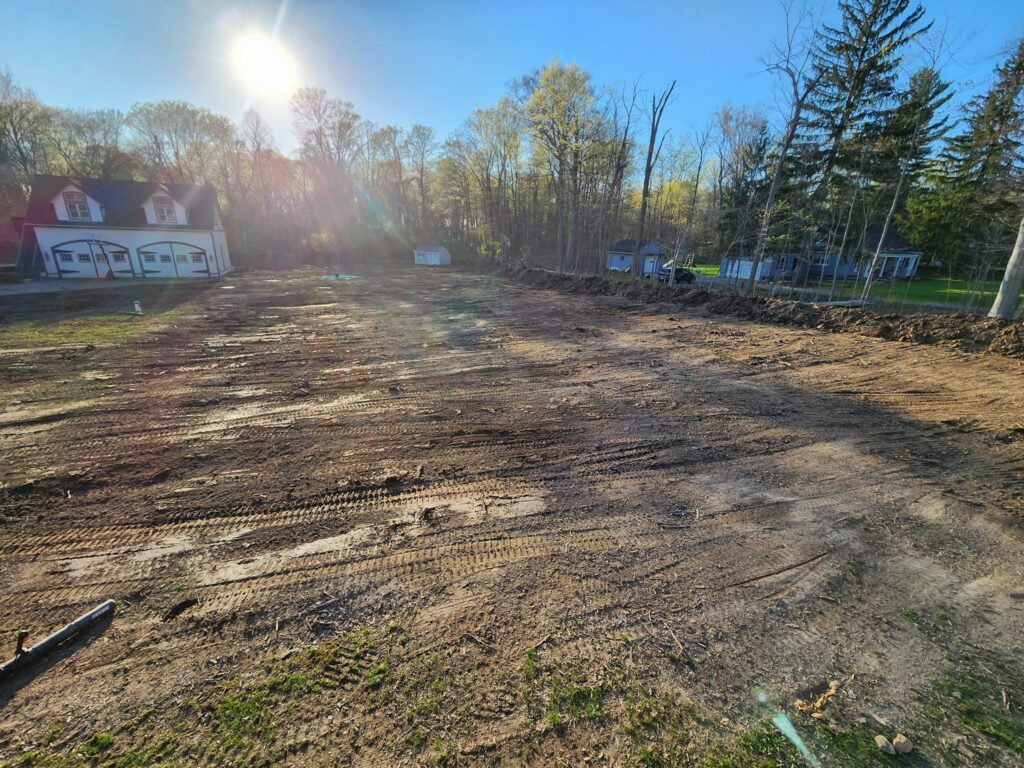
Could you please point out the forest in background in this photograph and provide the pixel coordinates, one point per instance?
(863, 136)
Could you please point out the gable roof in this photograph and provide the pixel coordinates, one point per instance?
(894, 242)
(431, 248)
(647, 247)
(122, 202)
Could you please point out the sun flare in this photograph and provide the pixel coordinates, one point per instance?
(263, 65)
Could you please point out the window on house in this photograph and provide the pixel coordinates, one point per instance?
(78, 207)
(119, 258)
(197, 258)
(149, 258)
(102, 258)
(181, 257)
(67, 257)
(84, 258)
(164, 208)
(165, 258)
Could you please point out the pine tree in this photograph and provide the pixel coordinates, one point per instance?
(986, 167)
(856, 67)
(967, 210)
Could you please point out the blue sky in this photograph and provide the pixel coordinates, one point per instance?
(405, 62)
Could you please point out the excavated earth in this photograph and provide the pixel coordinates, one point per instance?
(446, 519)
(968, 333)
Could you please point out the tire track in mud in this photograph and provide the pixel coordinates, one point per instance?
(570, 475)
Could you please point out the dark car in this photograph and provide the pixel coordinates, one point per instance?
(683, 275)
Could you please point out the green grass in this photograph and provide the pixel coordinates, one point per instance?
(710, 270)
(976, 700)
(102, 328)
(926, 290)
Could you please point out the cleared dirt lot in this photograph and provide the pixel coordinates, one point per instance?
(456, 521)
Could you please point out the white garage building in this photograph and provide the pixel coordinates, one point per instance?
(106, 228)
(431, 255)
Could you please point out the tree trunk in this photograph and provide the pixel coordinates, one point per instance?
(773, 190)
(870, 279)
(1013, 281)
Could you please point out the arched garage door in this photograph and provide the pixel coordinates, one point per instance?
(174, 259)
(92, 258)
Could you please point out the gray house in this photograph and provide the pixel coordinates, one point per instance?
(898, 260)
(652, 256)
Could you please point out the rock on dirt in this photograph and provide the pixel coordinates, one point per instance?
(885, 745)
(967, 333)
(902, 744)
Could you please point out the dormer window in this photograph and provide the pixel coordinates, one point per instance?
(164, 208)
(78, 207)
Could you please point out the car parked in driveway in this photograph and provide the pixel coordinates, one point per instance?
(683, 275)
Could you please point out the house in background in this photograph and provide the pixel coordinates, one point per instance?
(772, 266)
(431, 255)
(898, 261)
(107, 228)
(652, 256)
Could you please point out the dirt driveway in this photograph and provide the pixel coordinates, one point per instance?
(454, 521)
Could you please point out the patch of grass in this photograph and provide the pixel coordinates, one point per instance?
(442, 752)
(910, 615)
(377, 675)
(417, 737)
(98, 328)
(762, 747)
(160, 754)
(568, 696)
(292, 684)
(530, 667)
(241, 718)
(977, 702)
(658, 723)
(97, 744)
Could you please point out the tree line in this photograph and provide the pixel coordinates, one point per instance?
(561, 167)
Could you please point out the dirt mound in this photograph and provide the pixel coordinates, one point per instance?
(967, 333)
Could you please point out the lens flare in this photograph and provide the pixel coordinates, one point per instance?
(263, 65)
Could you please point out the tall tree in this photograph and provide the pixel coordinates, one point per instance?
(655, 141)
(791, 63)
(913, 127)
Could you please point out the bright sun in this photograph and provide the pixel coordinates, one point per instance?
(263, 65)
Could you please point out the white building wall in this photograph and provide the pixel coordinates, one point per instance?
(179, 210)
(95, 209)
(148, 252)
(432, 257)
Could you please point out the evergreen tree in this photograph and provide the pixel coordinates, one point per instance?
(856, 71)
(969, 208)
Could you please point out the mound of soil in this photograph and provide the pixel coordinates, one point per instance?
(968, 333)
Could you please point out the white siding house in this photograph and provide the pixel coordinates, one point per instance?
(104, 228)
(652, 256)
(431, 255)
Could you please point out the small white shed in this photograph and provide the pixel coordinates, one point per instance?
(432, 255)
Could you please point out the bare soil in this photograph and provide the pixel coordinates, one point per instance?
(968, 333)
(444, 519)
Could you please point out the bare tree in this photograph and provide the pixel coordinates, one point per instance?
(791, 61)
(654, 145)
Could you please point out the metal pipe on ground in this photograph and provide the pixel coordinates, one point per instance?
(25, 657)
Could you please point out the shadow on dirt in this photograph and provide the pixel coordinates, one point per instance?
(9, 686)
